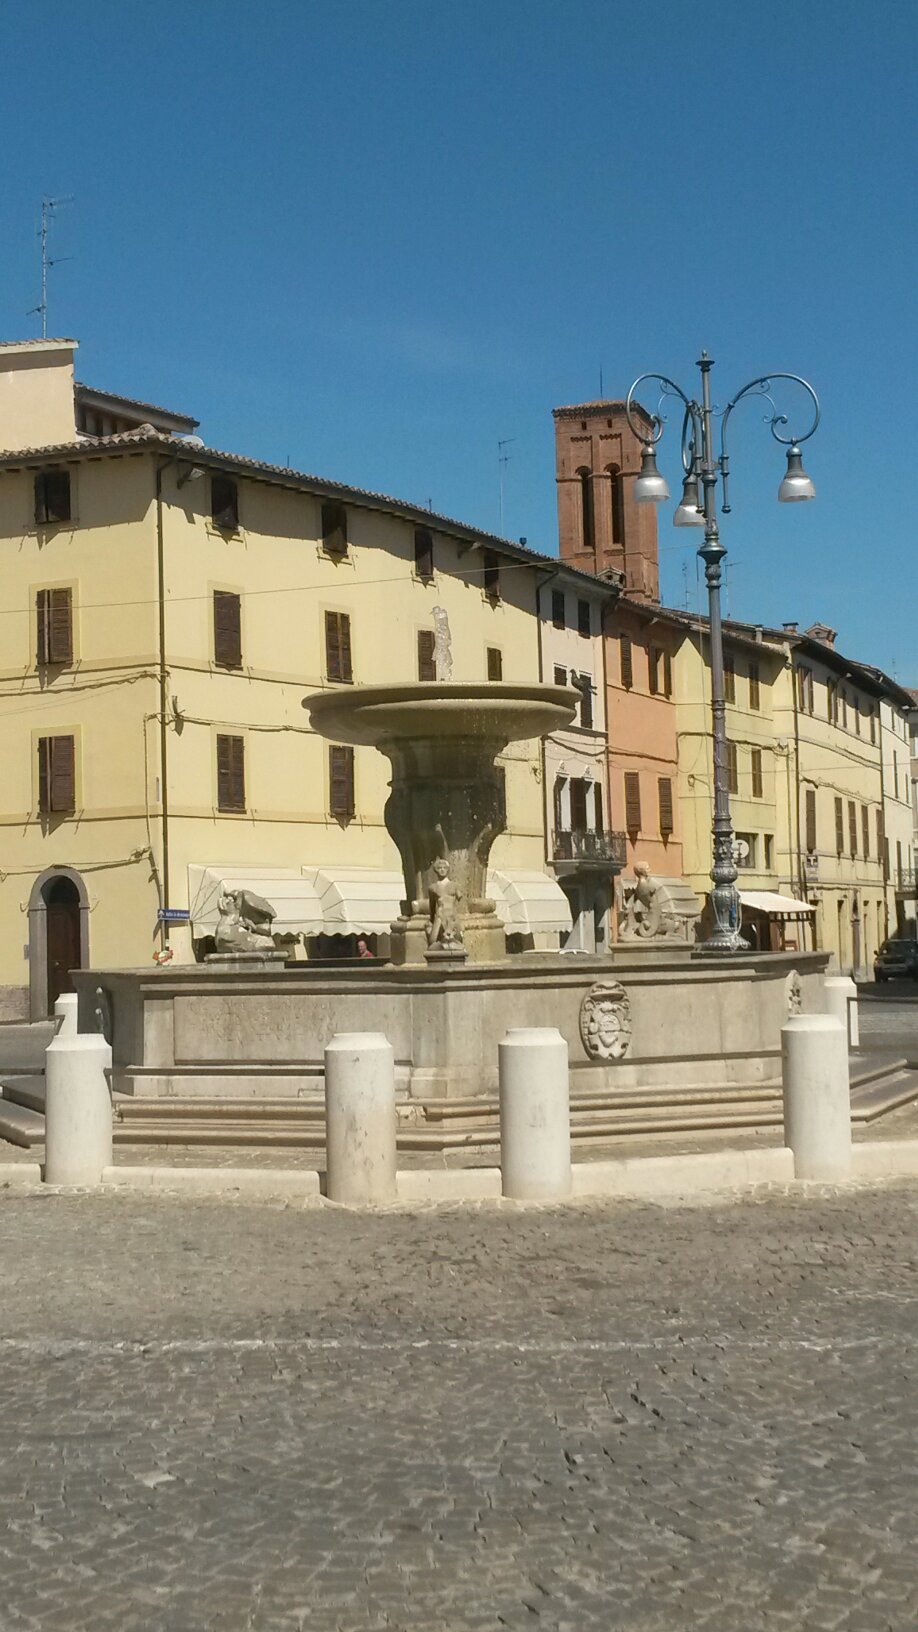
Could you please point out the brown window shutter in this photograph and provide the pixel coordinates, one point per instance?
(495, 663)
(758, 786)
(865, 827)
(753, 685)
(633, 801)
(664, 783)
(227, 629)
(732, 768)
(811, 820)
(43, 643)
(44, 775)
(338, 665)
(653, 665)
(427, 668)
(230, 773)
(627, 662)
(839, 827)
(60, 630)
(556, 797)
(852, 826)
(729, 681)
(597, 806)
(341, 783)
(667, 675)
(56, 774)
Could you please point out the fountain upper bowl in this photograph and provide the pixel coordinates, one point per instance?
(373, 715)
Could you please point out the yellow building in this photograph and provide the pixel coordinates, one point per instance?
(166, 609)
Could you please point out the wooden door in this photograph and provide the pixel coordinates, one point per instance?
(62, 923)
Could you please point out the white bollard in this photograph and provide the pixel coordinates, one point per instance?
(841, 1000)
(360, 1119)
(65, 1013)
(78, 1109)
(817, 1098)
(535, 1116)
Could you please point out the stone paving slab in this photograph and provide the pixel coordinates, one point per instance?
(652, 1418)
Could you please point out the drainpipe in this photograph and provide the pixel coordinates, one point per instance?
(540, 585)
(607, 769)
(801, 881)
(884, 851)
(161, 467)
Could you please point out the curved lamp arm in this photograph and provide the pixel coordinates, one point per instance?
(762, 387)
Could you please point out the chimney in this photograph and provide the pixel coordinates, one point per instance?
(36, 394)
(822, 632)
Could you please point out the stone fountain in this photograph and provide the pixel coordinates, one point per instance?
(446, 806)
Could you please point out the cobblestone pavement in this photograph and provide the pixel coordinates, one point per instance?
(244, 1416)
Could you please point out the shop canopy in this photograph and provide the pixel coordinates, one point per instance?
(776, 906)
(529, 902)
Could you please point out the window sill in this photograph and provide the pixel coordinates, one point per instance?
(225, 534)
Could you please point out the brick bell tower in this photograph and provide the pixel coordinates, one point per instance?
(600, 527)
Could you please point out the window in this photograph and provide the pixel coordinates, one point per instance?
(769, 840)
(895, 776)
(873, 727)
(758, 791)
(583, 619)
(805, 689)
(832, 701)
(557, 793)
(495, 663)
(627, 662)
(224, 504)
(423, 553)
(865, 831)
(665, 797)
(578, 797)
(52, 497)
(732, 771)
(341, 783)
(338, 665)
(852, 826)
(618, 519)
(633, 802)
(839, 827)
(754, 686)
(584, 685)
(660, 672)
(558, 616)
(230, 773)
(227, 629)
(334, 529)
(844, 710)
(560, 675)
(427, 667)
(597, 807)
(586, 508)
(54, 609)
(56, 775)
(729, 680)
(491, 576)
(811, 820)
(881, 837)
(857, 715)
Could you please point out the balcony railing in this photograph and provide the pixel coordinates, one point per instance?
(578, 844)
(907, 880)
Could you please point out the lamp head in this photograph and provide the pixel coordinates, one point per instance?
(689, 512)
(650, 487)
(796, 484)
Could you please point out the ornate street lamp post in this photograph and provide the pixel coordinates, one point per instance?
(701, 464)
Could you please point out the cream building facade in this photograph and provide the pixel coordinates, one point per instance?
(167, 608)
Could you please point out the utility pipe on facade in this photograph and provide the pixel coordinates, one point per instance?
(703, 467)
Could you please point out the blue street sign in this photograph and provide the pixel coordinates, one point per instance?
(173, 915)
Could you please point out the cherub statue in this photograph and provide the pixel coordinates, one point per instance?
(444, 928)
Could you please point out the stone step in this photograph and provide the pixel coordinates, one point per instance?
(19, 1125)
(27, 1090)
(884, 1094)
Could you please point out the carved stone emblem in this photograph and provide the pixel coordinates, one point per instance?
(793, 993)
(605, 1021)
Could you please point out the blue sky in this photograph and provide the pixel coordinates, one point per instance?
(372, 239)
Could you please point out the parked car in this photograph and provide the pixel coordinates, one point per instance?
(896, 958)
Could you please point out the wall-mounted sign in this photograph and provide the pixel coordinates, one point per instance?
(173, 915)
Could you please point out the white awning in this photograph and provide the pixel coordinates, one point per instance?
(777, 906)
(294, 898)
(527, 902)
(356, 900)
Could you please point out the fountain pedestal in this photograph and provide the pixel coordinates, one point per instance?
(447, 798)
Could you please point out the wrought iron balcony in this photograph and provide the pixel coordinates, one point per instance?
(907, 881)
(579, 844)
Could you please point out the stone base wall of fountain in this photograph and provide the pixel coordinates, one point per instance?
(658, 1018)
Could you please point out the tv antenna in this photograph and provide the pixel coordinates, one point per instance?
(48, 208)
(503, 459)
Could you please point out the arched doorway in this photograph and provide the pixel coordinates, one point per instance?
(62, 931)
(58, 936)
